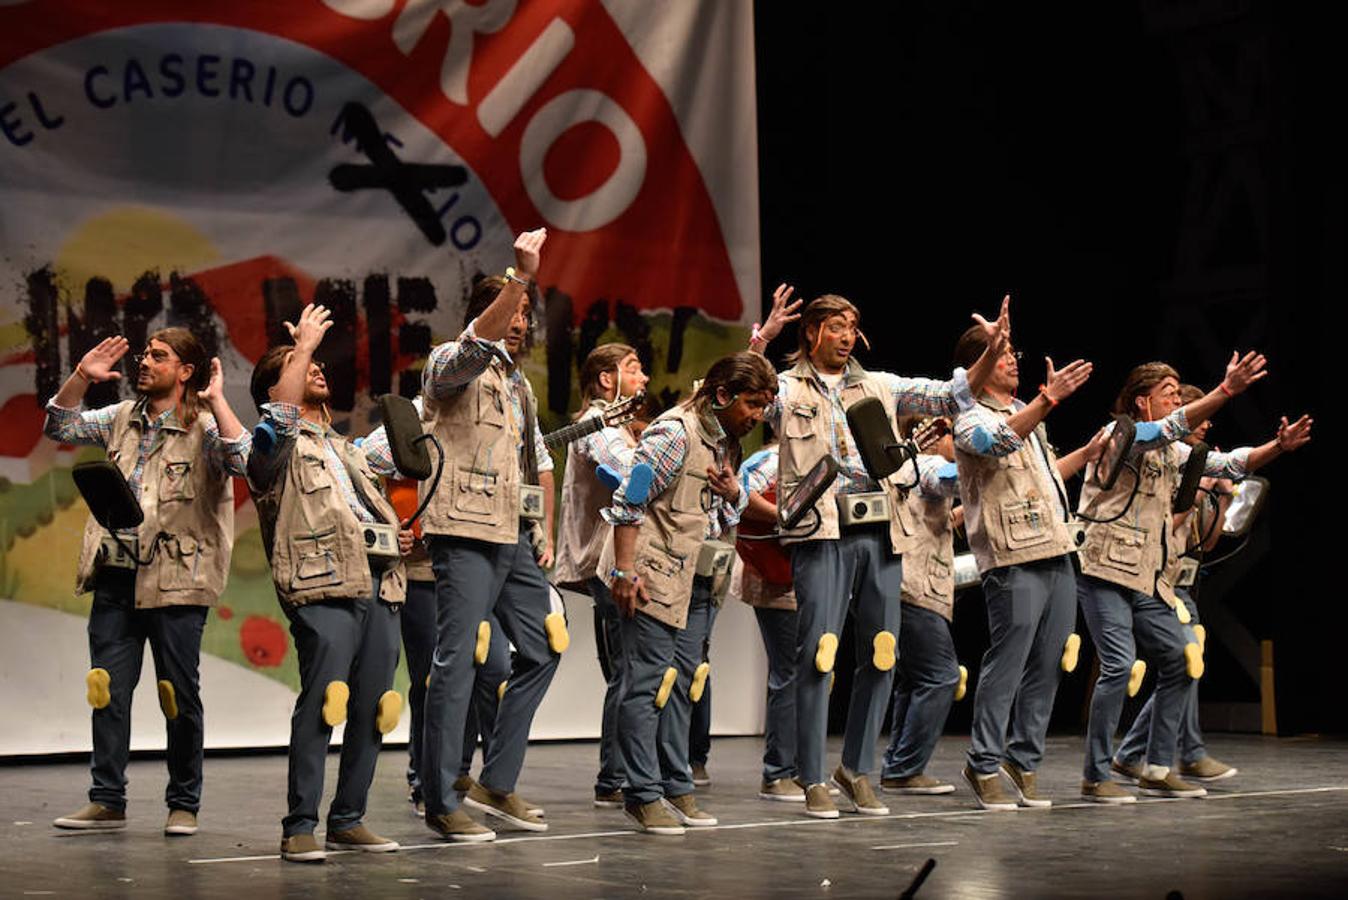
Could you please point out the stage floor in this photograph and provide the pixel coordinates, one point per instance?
(1278, 829)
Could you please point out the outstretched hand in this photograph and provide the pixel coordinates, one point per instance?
(1243, 371)
(1062, 383)
(1294, 436)
(99, 364)
(315, 320)
(998, 333)
(528, 247)
(783, 311)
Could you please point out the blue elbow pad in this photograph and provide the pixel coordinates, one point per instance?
(948, 472)
(981, 440)
(264, 438)
(608, 476)
(1147, 432)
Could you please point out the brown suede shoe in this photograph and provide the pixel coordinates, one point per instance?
(459, 827)
(685, 809)
(856, 790)
(921, 783)
(93, 817)
(1169, 786)
(506, 807)
(819, 803)
(302, 848)
(1026, 785)
(1126, 772)
(608, 799)
(782, 789)
(1207, 769)
(359, 838)
(180, 822)
(988, 790)
(654, 818)
(1105, 792)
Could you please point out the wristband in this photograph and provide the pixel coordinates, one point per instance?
(1043, 391)
(80, 372)
(616, 573)
(1221, 386)
(511, 276)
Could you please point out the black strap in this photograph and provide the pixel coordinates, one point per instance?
(530, 471)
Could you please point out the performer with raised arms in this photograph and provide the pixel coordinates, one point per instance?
(177, 444)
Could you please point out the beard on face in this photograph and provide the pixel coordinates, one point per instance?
(315, 395)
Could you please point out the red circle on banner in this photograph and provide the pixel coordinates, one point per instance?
(581, 160)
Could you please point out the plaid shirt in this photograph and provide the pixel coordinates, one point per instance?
(759, 471)
(605, 447)
(285, 418)
(93, 428)
(663, 447)
(938, 480)
(924, 396)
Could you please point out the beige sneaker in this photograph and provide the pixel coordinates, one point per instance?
(1127, 772)
(921, 783)
(700, 776)
(988, 790)
(506, 807)
(856, 790)
(1026, 786)
(302, 848)
(1105, 792)
(180, 821)
(1208, 769)
(462, 784)
(608, 799)
(459, 827)
(686, 811)
(782, 789)
(93, 817)
(653, 818)
(819, 803)
(359, 838)
(1169, 786)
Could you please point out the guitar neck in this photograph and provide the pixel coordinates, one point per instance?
(573, 432)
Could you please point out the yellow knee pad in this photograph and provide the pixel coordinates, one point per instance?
(168, 699)
(1071, 652)
(963, 687)
(1182, 610)
(1135, 677)
(335, 697)
(882, 651)
(99, 684)
(483, 642)
(558, 637)
(387, 713)
(826, 652)
(1202, 634)
(1193, 661)
(699, 682)
(666, 686)
(500, 690)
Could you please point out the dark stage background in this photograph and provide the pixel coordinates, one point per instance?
(1148, 180)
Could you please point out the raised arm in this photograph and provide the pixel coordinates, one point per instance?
(227, 443)
(998, 334)
(494, 322)
(69, 424)
(1241, 372)
(1058, 386)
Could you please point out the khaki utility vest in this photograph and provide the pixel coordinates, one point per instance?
(929, 563)
(580, 541)
(1008, 507)
(1140, 551)
(181, 498)
(479, 492)
(314, 542)
(675, 526)
(807, 429)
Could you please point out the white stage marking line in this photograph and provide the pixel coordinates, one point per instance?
(910, 846)
(571, 862)
(793, 823)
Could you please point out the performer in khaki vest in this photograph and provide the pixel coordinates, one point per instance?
(765, 584)
(665, 559)
(929, 672)
(319, 507)
(836, 565)
(1130, 558)
(1201, 525)
(1016, 514)
(486, 554)
(177, 444)
(610, 372)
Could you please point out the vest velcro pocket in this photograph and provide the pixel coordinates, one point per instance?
(1124, 548)
(491, 406)
(317, 559)
(313, 473)
(799, 421)
(180, 563)
(176, 481)
(661, 568)
(940, 578)
(1025, 523)
(476, 495)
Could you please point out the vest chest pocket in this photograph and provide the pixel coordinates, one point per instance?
(940, 578)
(313, 474)
(317, 559)
(491, 406)
(661, 568)
(180, 563)
(800, 420)
(176, 482)
(1124, 548)
(1151, 472)
(692, 493)
(476, 495)
(1024, 523)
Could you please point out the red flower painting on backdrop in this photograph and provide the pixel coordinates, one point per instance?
(263, 641)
